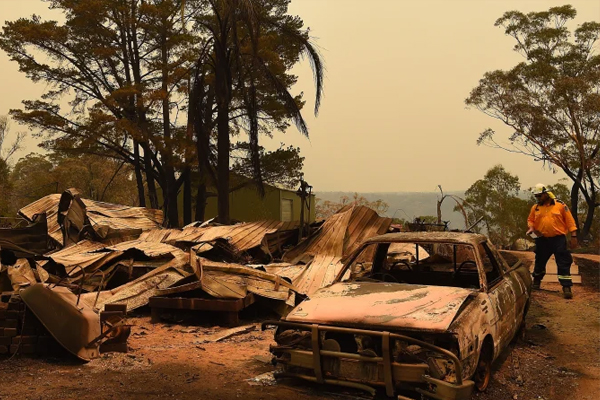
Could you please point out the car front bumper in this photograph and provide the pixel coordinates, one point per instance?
(366, 372)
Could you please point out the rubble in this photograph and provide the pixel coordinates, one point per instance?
(98, 255)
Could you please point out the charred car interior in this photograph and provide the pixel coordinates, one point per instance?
(417, 314)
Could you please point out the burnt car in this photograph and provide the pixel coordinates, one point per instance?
(424, 312)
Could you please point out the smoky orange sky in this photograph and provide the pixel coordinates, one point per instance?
(393, 116)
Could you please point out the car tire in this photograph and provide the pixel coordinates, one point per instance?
(483, 372)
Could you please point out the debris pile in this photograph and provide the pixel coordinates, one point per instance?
(97, 255)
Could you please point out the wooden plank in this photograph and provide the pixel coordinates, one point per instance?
(182, 303)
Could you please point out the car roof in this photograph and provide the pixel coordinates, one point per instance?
(442, 237)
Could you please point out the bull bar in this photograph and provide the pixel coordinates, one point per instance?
(403, 372)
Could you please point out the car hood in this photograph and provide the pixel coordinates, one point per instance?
(382, 305)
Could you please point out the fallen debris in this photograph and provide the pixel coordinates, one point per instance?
(97, 255)
(266, 379)
(217, 337)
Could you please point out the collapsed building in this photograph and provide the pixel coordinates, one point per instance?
(95, 261)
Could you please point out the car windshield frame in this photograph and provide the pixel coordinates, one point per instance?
(341, 276)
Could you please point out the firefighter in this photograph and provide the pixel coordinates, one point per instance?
(549, 222)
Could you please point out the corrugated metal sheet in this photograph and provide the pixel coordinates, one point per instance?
(242, 236)
(108, 220)
(122, 217)
(49, 205)
(83, 254)
(158, 235)
(40, 206)
(307, 278)
(325, 249)
(341, 234)
(150, 249)
(137, 293)
(255, 281)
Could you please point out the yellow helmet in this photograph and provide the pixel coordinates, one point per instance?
(539, 189)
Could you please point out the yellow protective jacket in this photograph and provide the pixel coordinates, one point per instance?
(553, 219)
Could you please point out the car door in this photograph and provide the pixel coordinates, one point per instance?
(501, 294)
(515, 278)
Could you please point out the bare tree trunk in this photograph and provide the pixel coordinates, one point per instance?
(223, 165)
(171, 206)
(170, 191)
(223, 95)
(200, 202)
(591, 206)
(139, 180)
(575, 197)
(187, 196)
(439, 205)
(201, 113)
(589, 219)
(149, 169)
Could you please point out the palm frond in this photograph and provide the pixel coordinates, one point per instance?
(309, 50)
(282, 93)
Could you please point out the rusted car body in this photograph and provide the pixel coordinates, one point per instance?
(428, 318)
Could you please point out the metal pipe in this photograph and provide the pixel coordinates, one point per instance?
(61, 279)
(350, 356)
(99, 287)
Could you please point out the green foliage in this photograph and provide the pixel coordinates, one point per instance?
(5, 189)
(496, 199)
(7, 150)
(97, 178)
(325, 209)
(282, 167)
(245, 71)
(131, 68)
(551, 100)
(122, 65)
(426, 219)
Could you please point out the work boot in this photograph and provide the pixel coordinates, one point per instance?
(567, 293)
(536, 284)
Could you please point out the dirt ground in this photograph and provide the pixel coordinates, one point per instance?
(559, 358)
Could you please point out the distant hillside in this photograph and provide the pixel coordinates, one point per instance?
(409, 205)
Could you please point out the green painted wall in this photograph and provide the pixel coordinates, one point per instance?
(247, 205)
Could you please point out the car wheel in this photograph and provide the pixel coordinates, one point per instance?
(483, 372)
